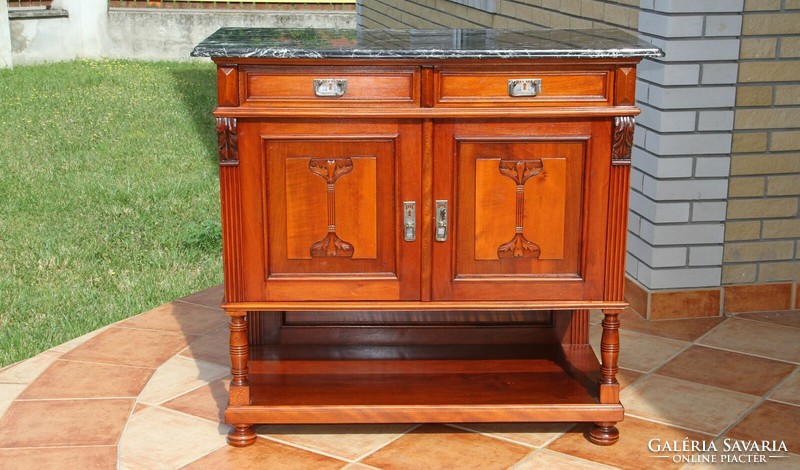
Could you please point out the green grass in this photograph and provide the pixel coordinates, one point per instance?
(108, 195)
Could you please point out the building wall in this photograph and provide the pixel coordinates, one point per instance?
(382, 14)
(5, 37)
(716, 162)
(92, 30)
(762, 229)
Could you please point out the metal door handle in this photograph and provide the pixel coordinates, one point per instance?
(409, 221)
(441, 220)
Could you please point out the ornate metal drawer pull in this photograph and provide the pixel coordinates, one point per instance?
(330, 87)
(409, 221)
(524, 87)
(441, 220)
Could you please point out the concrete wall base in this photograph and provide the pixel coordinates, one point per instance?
(92, 31)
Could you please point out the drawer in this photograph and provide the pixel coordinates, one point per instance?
(329, 86)
(534, 87)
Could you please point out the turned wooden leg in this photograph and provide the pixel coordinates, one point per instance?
(609, 354)
(604, 434)
(242, 435)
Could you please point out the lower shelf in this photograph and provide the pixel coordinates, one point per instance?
(401, 384)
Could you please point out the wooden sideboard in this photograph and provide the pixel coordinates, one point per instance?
(416, 224)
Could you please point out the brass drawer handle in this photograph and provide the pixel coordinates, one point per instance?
(524, 87)
(330, 87)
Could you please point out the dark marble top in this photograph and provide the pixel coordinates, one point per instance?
(422, 44)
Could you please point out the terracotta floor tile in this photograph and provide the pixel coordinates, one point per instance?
(346, 441)
(9, 393)
(784, 461)
(267, 455)
(208, 401)
(178, 376)
(631, 452)
(789, 391)
(785, 318)
(638, 351)
(95, 457)
(733, 371)
(140, 407)
(129, 347)
(359, 466)
(555, 460)
(212, 347)
(627, 377)
(211, 297)
(682, 330)
(755, 337)
(179, 317)
(438, 446)
(532, 434)
(68, 379)
(771, 422)
(688, 404)
(161, 439)
(43, 423)
(26, 371)
(70, 345)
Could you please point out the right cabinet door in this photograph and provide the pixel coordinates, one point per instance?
(527, 209)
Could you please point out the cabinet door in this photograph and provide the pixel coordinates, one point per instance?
(528, 204)
(331, 221)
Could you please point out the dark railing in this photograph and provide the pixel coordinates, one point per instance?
(212, 4)
(28, 3)
(239, 4)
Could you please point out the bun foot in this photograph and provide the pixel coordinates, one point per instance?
(242, 435)
(604, 434)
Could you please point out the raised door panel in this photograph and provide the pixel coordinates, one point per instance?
(332, 207)
(522, 196)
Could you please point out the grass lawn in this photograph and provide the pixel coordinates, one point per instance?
(110, 205)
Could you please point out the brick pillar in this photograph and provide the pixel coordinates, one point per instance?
(761, 265)
(681, 157)
(5, 37)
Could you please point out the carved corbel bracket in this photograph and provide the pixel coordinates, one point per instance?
(228, 141)
(622, 140)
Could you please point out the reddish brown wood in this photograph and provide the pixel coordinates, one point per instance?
(231, 210)
(273, 306)
(242, 435)
(517, 382)
(427, 79)
(283, 86)
(227, 85)
(622, 141)
(604, 434)
(609, 354)
(488, 86)
(425, 211)
(625, 86)
(374, 328)
(579, 331)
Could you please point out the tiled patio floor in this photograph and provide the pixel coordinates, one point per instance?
(149, 392)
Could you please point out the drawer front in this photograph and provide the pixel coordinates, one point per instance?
(531, 87)
(330, 86)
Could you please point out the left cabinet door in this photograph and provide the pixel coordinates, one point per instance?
(322, 209)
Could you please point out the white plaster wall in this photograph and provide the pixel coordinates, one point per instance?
(81, 35)
(94, 31)
(5, 37)
(151, 34)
